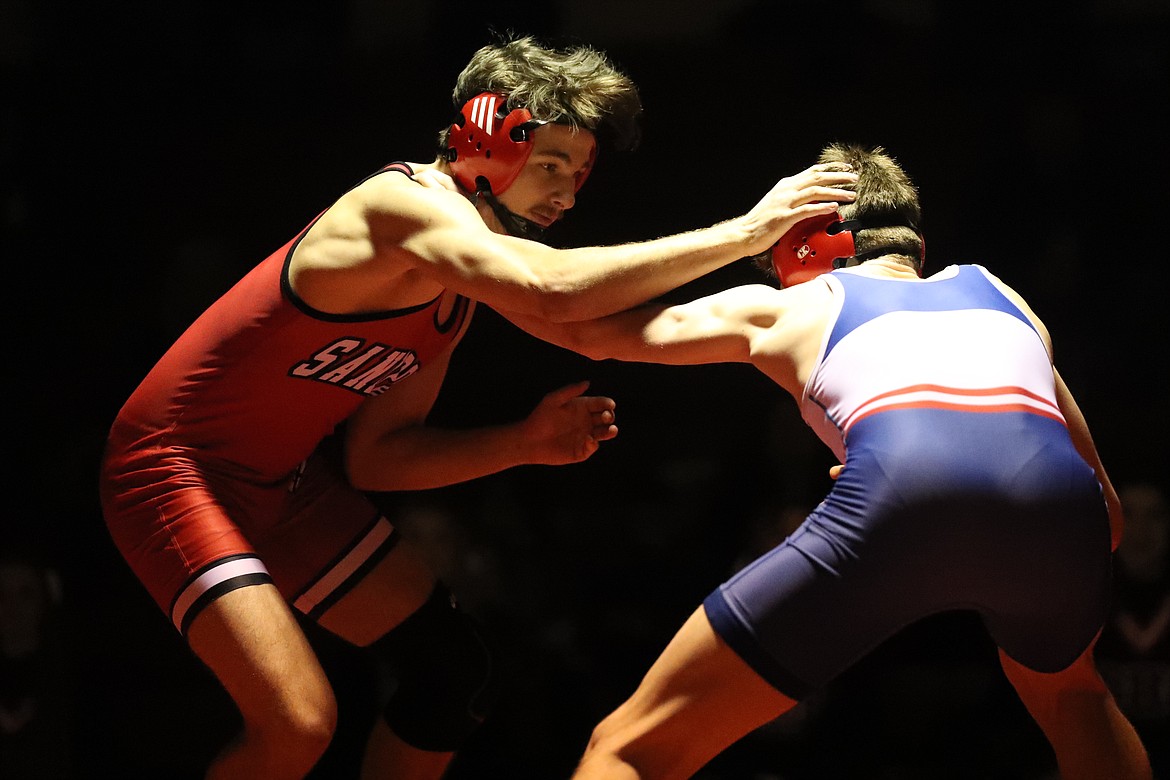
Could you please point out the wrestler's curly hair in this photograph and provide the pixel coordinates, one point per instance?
(885, 196)
(577, 86)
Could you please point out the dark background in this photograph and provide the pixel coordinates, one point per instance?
(152, 152)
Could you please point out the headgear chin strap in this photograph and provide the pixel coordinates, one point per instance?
(821, 244)
(515, 224)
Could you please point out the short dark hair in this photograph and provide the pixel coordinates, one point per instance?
(577, 86)
(887, 201)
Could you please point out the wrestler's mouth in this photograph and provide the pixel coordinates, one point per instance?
(544, 217)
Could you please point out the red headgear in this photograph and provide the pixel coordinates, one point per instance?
(816, 246)
(808, 249)
(489, 142)
(488, 145)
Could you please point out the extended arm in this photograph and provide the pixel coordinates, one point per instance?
(777, 331)
(448, 241)
(718, 328)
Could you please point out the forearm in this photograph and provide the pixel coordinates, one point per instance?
(591, 282)
(569, 285)
(616, 337)
(609, 280)
(617, 278)
(422, 457)
(654, 333)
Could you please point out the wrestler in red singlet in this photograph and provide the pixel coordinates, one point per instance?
(191, 503)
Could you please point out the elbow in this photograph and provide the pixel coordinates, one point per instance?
(559, 290)
(556, 297)
(585, 338)
(596, 351)
(619, 348)
(570, 336)
(559, 304)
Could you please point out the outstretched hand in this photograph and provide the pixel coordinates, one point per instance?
(567, 427)
(811, 193)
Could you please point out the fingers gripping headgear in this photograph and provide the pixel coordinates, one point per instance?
(488, 144)
(818, 245)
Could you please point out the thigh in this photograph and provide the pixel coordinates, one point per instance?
(181, 543)
(389, 592)
(809, 608)
(339, 561)
(251, 642)
(697, 698)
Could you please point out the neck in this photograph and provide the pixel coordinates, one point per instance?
(893, 265)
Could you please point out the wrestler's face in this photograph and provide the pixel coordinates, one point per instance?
(547, 185)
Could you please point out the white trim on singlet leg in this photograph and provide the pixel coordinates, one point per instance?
(216, 575)
(345, 568)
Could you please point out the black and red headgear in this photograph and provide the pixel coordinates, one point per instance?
(488, 144)
(821, 244)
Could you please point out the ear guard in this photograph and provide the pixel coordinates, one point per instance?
(813, 247)
(817, 246)
(488, 145)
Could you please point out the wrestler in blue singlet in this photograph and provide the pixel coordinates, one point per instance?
(932, 512)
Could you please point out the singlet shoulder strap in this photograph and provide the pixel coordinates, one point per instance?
(400, 167)
(396, 167)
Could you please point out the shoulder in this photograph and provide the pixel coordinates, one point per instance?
(390, 212)
(356, 256)
(1010, 293)
(390, 194)
(758, 307)
(998, 283)
(746, 302)
(749, 295)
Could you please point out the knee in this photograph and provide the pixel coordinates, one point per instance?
(604, 739)
(445, 675)
(614, 753)
(312, 726)
(296, 730)
(600, 755)
(1080, 678)
(1051, 698)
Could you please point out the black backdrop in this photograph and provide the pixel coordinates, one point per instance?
(153, 152)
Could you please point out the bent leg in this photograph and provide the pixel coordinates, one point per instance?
(252, 643)
(1092, 739)
(697, 699)
(394, 590)
(388, 755)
